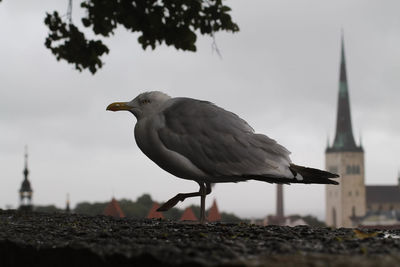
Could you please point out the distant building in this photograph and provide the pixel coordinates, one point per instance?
(352, 203)
(282, 221)
(279, 218)
(346, 158)
(153, 213)
(383, 197)
(213, 213)
(383, 207)
(279, 201)
(113, 209)
(380, 220)
(26, 192)
(294, 221)
(67, 207)
(188, 215)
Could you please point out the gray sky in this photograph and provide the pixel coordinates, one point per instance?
(280, 73)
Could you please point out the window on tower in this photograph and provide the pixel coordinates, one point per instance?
(356, 169)
(353, 169)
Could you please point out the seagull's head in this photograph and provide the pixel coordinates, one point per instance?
(143, 105)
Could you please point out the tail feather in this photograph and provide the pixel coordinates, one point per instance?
(313, 176)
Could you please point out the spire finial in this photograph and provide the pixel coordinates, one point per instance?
(343, 59)
(26, 171)
(26, 156)
(67, 208)
(342, 38)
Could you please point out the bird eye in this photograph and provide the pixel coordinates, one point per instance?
(145, 101)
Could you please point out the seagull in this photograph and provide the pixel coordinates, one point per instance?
(197, 140)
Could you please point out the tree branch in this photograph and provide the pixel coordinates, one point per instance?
(174, 23)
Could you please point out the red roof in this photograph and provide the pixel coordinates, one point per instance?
(153, 213)
(188, 215)
(113, 209)
(213, 213)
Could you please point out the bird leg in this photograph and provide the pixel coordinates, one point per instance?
(202, 203)
(173, 201)
(205, 189)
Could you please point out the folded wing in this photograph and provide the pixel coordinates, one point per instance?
(220, 143)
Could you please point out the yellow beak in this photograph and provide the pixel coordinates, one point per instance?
(118, 106)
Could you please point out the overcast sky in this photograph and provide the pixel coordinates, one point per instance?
(279, 73)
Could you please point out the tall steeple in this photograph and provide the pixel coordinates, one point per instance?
(345, 201)
(25, 192)
(344, 139)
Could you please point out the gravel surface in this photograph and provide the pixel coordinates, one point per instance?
(41, 239)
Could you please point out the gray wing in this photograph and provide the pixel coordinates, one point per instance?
(219, 142)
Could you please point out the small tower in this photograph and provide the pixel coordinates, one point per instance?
(279, 202)
(67, 205)
(345, 157)
(25, 192)
(279, 217)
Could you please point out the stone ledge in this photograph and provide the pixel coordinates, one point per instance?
(39, 239)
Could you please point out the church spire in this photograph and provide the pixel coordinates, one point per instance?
(25, 192)
(344, 139)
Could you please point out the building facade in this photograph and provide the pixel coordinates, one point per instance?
(382, 198)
